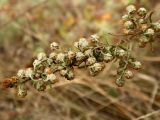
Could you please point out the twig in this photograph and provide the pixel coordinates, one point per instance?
(148, 115)
(154, 82)
(152, 59)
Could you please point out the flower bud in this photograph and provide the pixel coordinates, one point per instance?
(142, 21)
(82, 44)
(60, 57)
(41, 56)
(129, 25)
(90, 61)
(98, 67)
(128, 74)
(71, 55)
(79, 56)
(137, 65)
(54, 46)
(121, 53)
(60, 67)
(108, 57)
(95, 68)
(69, 75)
(29, 73)
(21, 91)
(53, 55)
(120, 71)
(142, 11)
(48, 70)
(49, 61)
(131, 9)
(143, 39)
(120, 82)
(88, 53)
(50, 77)
(36, 63)
(156, 26)
(40, 85)
(149, 32)
(76, 44)
(63, 72)
(95, 38)
(82, 64)
(125, 17)
(21, 73)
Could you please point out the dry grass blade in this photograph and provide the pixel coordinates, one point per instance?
(147, 115)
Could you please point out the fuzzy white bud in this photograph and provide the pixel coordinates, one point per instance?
(42, 56)
(29, 72)
(95, 38)
(90, 61)
(36, 63)
(21, 73)
(50, 77)
(150, 32)
(54, 46)
(80, 56)
(131, 9)
(108, 57)
(60, 57)
(142, 11)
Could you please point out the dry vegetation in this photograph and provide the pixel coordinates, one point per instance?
(28, 27)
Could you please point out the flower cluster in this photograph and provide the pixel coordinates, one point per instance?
(90, 54)
(139, 23)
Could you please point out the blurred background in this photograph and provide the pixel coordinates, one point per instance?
(29, 26)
